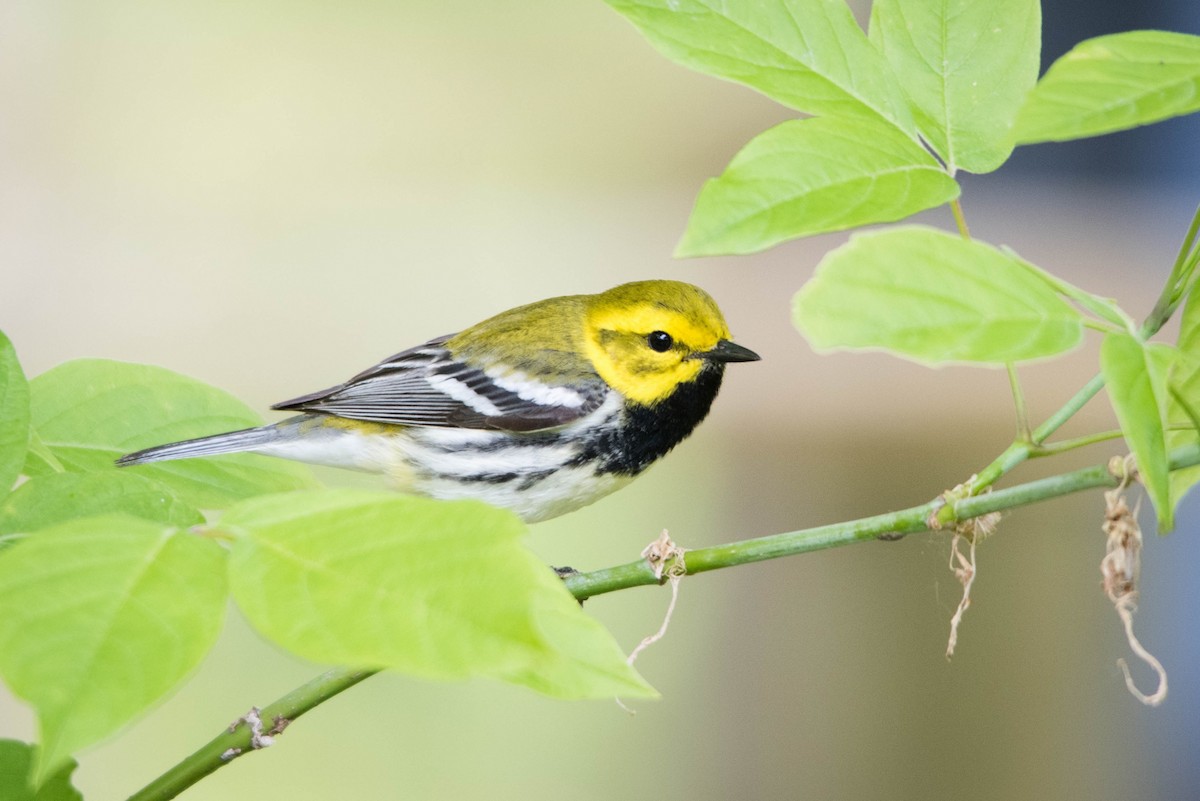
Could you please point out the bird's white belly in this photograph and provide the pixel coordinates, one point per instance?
(565, 490)
(537, 476)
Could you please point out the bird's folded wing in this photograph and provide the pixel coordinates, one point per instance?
(426, 386)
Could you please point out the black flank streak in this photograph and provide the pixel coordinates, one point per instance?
(528, 480)
(533, 478)
(489, 478)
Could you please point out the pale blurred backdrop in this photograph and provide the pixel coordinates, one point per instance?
(271, 196)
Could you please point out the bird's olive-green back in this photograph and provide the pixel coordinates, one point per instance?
(543, 340)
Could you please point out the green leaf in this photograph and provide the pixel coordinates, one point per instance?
(16, 763)
(934, 298)
(583, 660)
(56, 498)
(99, 618)
(1184, 389)
(14, 416)
(91, 411)
(1111, 83)
(1135, 376)
(807, 54)
(437, 589)
(966, 67)
(810, 176)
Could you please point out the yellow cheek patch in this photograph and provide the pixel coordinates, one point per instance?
(618, 322)
(649, 388)
(628, 365)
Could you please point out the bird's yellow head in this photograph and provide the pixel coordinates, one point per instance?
(648, 337)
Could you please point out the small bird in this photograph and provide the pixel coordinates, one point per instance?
(541, 409)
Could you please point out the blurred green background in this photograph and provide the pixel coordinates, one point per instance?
(271, 196)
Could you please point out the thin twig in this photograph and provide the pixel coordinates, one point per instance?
(960, 219)
(1024, 432)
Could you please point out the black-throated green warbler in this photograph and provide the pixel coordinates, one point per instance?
(541, 409)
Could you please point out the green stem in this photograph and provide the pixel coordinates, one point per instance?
(960, 219)
(1178, 284)
(1068, 410)
(1014, 383)
(906, 521)
(226, 746)
(1062, 446)
(1065, 445)
(1019, 451)
(1186, 261)
(1102, 327)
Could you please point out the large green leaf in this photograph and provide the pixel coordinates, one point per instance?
(91, 411)
(1183, 407)
(432, 588)
(966, 66)
(810, 176)
(807, 54)
(16, 764)
(14, 416)
(1135, 376)
(1111, 83)
(934, 298)
(56, 498)
(99, 618)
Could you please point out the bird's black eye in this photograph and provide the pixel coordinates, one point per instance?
(660, 341)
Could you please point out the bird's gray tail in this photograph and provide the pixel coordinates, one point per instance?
(250, 439)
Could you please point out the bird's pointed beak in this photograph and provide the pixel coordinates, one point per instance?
(726, 351)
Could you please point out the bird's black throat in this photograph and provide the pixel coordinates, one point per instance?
(649, 432)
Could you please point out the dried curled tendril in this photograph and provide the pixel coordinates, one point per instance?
(1121, 568)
